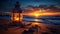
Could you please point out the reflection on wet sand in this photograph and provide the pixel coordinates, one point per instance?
(33, 27)
(41, 28)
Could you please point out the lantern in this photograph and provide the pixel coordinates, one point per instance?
(16, 14)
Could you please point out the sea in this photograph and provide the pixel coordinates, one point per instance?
(41, 19)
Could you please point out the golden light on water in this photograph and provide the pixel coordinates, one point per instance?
(36, 20)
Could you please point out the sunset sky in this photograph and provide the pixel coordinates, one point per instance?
(9, 4)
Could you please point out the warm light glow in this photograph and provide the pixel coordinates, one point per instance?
(36, 15)
(16, 19)
(16, 16)
(21, 17)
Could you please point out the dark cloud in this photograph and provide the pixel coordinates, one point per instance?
(9, 3)
(2, 3)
